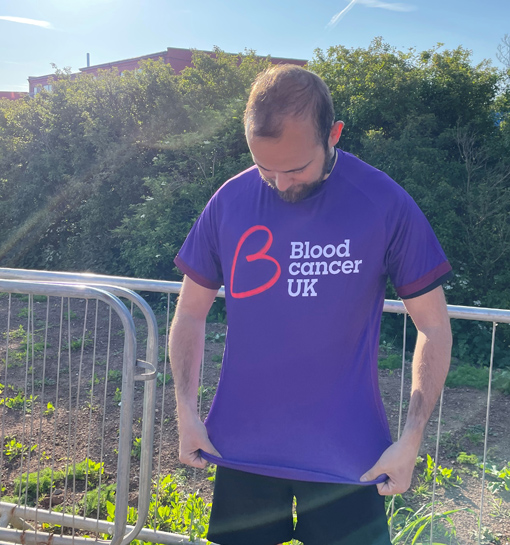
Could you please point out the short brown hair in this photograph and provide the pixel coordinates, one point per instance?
(288, 90)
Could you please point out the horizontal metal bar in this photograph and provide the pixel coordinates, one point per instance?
(456, 311)
(42, 538)
(89, 525)
(140, 284)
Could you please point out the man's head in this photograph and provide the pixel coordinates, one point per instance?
(290, 129)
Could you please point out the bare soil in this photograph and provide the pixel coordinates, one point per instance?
(82, 384)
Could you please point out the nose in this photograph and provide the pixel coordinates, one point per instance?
(283, 181)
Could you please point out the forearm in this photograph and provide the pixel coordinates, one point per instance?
(431, 362)
(186, 349)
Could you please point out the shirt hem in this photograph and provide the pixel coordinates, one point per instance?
(196, 277)
(287, 472)
(412, 289)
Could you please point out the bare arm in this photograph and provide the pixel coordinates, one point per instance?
(431, 359)
(186, 348)
(431, 362)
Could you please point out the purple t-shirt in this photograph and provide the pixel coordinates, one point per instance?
(298, 395)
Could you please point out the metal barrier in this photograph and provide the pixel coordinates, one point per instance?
(457, 312)
(53, 404)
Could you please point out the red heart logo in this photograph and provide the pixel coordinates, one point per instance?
(261, 254)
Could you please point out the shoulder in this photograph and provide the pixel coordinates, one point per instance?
(372, 190)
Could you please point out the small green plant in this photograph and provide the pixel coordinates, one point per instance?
(464, 458)
(216, 358)
(444, 476)
(117, 396)
(95, 380)
(215, 337)
(211, 472)
(486, 536)
(14, 449)
(206, 392)
(23, 313)
(70, 315)
(19, 401)
(136, 451)
(114, 375)
(77, 343)
(163, 379)
(468, 375)
(503, 474)
(18, 333)
(393, 361)
(97, 498)
(47, 479)
(475, 434)
(409, 525)
(50, 409)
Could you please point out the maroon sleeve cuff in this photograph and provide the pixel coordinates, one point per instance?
(429, 280)
(196, 277)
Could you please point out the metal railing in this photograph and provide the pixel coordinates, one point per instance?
(70, 415)
(457, 312)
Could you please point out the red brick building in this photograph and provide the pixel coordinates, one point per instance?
(176, 57)
(12, 95)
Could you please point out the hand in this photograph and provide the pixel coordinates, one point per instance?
(193, 438)
(398, 462)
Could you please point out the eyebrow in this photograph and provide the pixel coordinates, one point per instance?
(285, 171)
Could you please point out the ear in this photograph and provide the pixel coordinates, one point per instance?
(335, 133)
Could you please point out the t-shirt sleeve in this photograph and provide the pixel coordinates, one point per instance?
(198, 257)
(415, 260)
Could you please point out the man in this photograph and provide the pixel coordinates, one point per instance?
(304, 242)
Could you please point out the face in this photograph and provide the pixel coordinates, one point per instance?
(296, 163)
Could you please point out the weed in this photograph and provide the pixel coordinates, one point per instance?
(50, 409)
(97, 499)
(163, 379)
(206, 392)
(409, 525)
(136, 451)
(486, 536)
(162, 330)
(27, 484)
(19, 402)
(215, 337)
(77, 343)
(475, 434)
(393, 361)
(13, 449)
(23, 313)
(444, 476)
(211, 472)
(117, 396)
(114, 375)
(464, 458)
(70, 315)
(95, 380)
(217, 358)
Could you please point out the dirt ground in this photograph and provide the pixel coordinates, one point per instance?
(83, 385)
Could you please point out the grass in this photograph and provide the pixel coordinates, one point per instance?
(478, 377)
(393, 361)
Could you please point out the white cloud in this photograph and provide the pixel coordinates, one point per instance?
(25, 21)
(340, 15)
(392, 6)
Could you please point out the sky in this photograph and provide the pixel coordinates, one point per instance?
(36, 33)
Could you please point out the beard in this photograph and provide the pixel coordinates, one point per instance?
(298, 192)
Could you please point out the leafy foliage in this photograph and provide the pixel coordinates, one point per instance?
(109, 174)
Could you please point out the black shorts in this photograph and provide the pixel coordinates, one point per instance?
(251, 509)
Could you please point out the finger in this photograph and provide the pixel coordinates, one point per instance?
(209, 449)
(371, 474)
